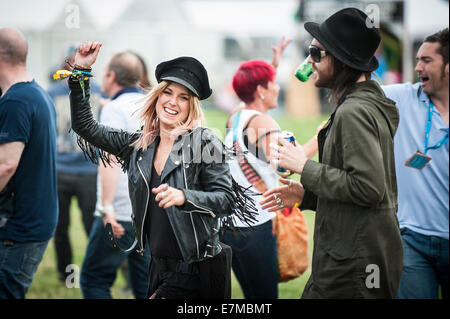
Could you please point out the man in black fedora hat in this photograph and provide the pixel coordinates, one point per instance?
(357, 244)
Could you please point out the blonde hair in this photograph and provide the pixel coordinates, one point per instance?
(150, 120)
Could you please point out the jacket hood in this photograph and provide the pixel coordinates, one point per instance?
(372, 92)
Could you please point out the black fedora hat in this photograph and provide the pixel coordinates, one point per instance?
(186, 71)
(349, 37)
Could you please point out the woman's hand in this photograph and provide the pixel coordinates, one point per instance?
(87, 54)
(288, 156)
(279, 50)
(168, 196)
(284, 196)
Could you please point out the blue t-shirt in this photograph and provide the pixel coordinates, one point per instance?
(422, 193)
(27, 115)
(69, 156)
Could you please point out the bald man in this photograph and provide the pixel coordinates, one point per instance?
(123, 71)
(28, 200)
(101, 261)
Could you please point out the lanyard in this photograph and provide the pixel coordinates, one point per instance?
(428, 129)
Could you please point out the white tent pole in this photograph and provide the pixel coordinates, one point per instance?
(408, 63)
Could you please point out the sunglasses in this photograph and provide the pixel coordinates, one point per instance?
(316, 53)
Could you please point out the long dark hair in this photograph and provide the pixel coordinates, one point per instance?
(344, 77)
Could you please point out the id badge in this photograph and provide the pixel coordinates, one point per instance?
(418, 160)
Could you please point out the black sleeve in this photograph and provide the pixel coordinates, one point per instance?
(309, 201)
(97, 141)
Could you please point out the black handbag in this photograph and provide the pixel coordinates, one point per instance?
(215, 275)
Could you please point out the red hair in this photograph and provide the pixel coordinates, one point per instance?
(249, 75)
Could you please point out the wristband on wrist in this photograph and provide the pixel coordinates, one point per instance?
(76, 66)
(105, 209)
(67, 61)
(77, 71)
(80, 68)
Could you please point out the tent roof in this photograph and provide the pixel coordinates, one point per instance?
(40, 15)
(260, 16)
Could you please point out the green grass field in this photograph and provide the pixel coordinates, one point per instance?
(47, 286)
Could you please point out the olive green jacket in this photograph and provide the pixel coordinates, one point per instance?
(357, 244)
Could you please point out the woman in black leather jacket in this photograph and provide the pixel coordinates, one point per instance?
(179, 182)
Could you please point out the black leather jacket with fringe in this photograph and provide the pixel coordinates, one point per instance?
(197, 165)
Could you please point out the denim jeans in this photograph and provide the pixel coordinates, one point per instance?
(102, 261)
(255, 260)
(84, 188)
(18, 263)
(425, 266)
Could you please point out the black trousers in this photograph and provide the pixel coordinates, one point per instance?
(173, 279)
(84, 188)
(207, 279)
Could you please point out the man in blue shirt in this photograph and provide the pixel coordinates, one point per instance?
(28, 199)
(422, 168)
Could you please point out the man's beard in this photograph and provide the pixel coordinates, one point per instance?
(325, 82)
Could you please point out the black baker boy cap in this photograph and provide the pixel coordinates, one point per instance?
(186, 71)
(349, 37)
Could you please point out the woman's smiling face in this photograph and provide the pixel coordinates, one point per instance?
(173, 106)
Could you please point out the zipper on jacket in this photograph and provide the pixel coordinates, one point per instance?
(203, 210)
(192, 220)
(146, 207)
(195, 234)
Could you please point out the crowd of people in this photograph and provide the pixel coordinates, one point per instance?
(181, 209)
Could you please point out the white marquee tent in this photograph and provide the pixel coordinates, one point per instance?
(163, 29)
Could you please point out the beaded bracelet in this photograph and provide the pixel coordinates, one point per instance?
(77, 74)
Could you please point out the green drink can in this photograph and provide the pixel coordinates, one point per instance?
(304, 71)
